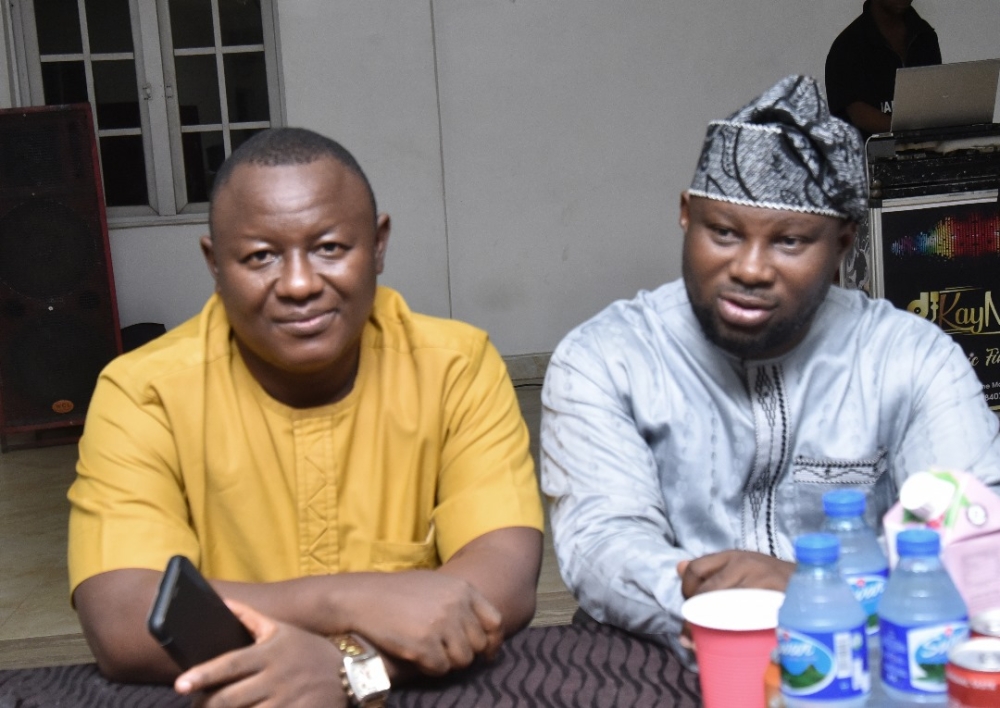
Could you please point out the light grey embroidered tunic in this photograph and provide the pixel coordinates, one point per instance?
(658, 446)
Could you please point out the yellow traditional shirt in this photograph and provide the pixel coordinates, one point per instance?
(184, 452)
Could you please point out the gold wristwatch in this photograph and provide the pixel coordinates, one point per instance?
(362, 672)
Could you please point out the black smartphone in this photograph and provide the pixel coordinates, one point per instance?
(190, 620)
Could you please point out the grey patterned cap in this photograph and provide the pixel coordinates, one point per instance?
(784, 150)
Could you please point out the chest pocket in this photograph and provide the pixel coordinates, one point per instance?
(865, 472)
(389, 556)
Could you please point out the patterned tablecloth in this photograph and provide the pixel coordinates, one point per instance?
(583, 664)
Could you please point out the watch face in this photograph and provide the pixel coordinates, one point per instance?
(367, 677)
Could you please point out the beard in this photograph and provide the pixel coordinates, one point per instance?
(775, 338)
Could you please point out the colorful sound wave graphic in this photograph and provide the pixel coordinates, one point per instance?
(977, 234)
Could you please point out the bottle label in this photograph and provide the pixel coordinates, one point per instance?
(914, 658)
(824, 665)
(868, 589)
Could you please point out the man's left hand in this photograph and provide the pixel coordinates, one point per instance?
(285, 667)
(733, 569)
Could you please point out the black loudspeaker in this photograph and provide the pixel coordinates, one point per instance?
(58, 313)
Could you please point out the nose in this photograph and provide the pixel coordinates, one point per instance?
(752, 265)
(299, 279)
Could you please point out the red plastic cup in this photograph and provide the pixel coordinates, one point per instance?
(734, 634)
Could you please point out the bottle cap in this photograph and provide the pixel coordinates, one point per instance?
(926, 495)
(817, 548)
(844, 503)
(918, 542)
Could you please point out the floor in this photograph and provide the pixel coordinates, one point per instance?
(37, 625)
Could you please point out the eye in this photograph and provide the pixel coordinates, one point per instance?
(791, 243)
(259, 257)
(723, 234)
(331, 248)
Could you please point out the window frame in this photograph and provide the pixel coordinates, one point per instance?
(158, 106)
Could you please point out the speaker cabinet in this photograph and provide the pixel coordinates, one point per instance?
(58, 313)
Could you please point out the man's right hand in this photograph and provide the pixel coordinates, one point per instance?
(733, 569)
(433, 620)
(286, 666)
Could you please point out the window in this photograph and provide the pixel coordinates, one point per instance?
(175, 86)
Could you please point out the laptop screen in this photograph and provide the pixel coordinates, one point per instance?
(945, 95)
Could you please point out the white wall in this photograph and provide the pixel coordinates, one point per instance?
(967, 30)
(531, 152)
(160, 274)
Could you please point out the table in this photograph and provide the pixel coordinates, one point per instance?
(582, 664)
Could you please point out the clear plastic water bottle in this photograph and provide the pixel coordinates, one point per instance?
(921, 617)
(862, 562)
(821, 631)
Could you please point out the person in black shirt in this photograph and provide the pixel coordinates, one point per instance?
(861, 66)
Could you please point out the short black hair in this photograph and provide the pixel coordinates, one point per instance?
(276, 147)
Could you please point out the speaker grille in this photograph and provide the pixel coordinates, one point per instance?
(58, 324)
(40, 150)
(46, 250)
(52, 359)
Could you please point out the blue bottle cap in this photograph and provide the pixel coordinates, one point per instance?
(918, 542)
(817, 548)
(844, 503)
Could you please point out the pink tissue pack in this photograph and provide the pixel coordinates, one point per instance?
(967, 515)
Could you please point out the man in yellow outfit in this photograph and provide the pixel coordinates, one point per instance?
(339, 466)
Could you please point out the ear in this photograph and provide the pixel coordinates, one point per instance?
(208, 250)
(847, 231)
(685, 216)
(383, 225)
(845, 238)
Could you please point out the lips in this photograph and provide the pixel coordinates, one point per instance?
(745, 311)
(305, 324)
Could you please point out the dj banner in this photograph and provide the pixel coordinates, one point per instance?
(942, 262)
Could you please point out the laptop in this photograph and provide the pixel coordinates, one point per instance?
(945, 95)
